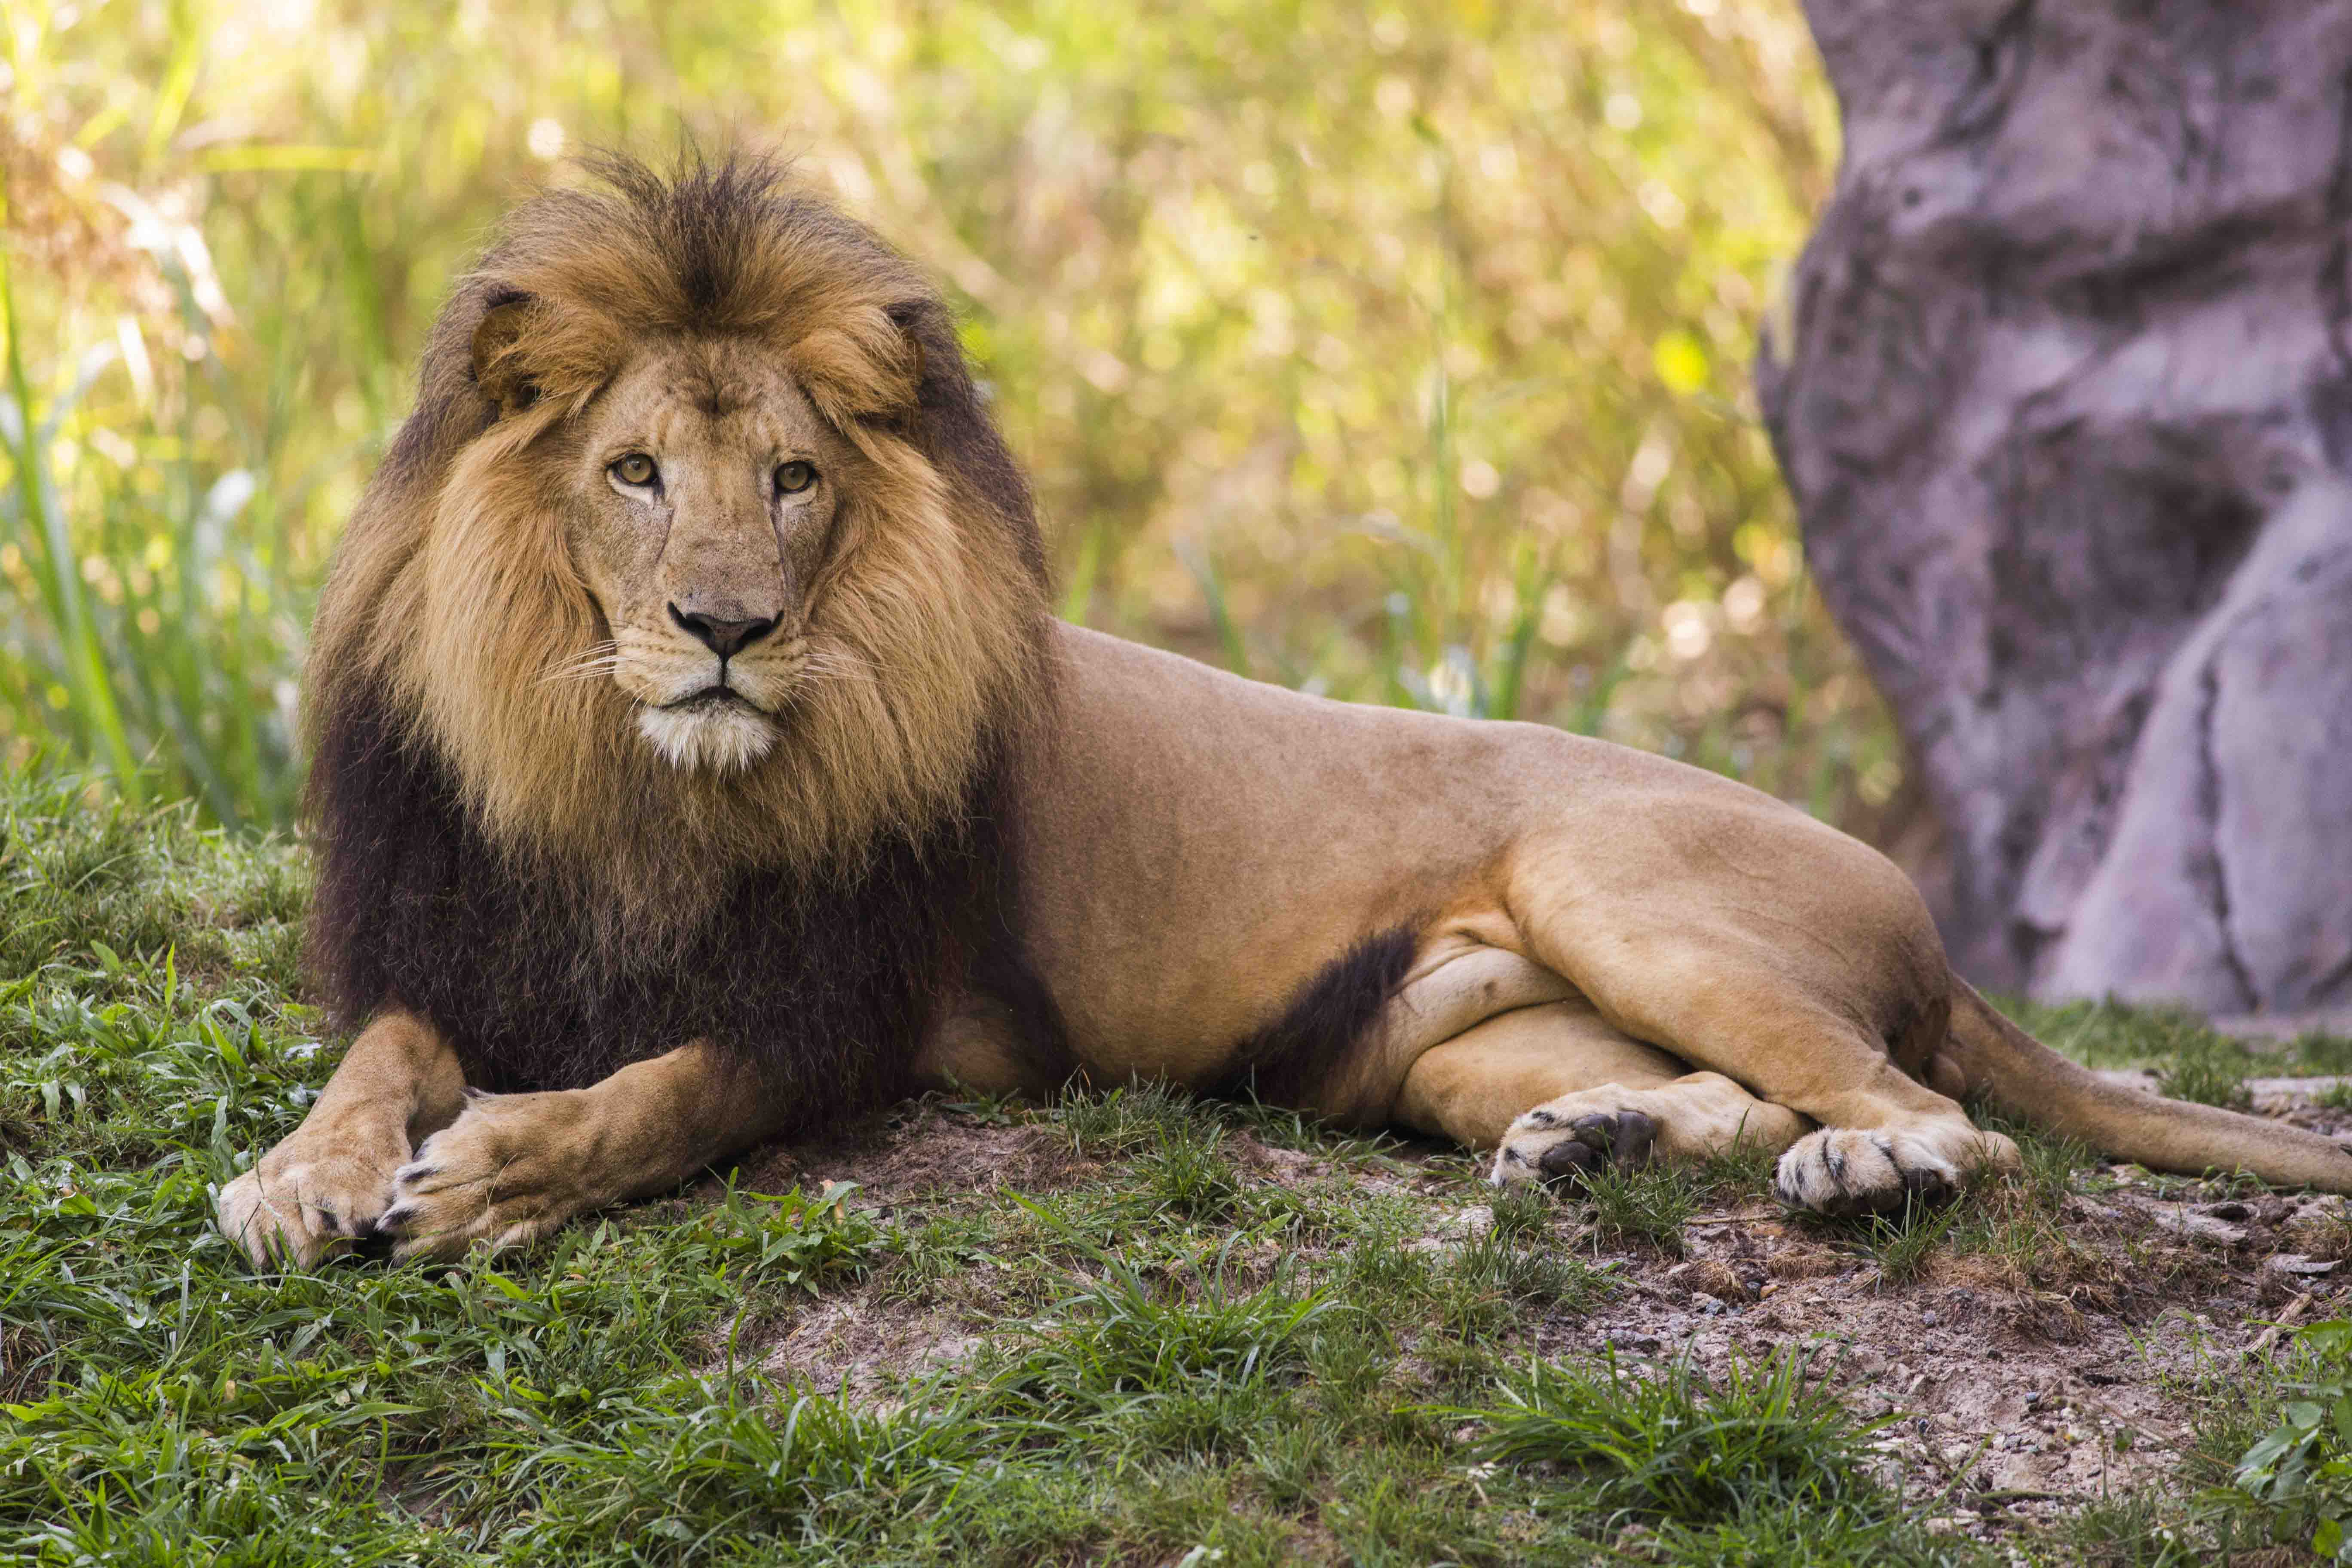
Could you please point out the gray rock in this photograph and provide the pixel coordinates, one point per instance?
(2200, 1227)
(2065, 400)
(2297, 1264)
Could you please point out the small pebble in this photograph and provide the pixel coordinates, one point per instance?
(1929, 1318)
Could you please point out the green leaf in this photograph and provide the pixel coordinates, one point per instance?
(1680, 362)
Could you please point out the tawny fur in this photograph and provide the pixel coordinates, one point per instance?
(966, 844)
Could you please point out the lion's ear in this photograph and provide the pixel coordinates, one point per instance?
(911, 317)
(498, 367)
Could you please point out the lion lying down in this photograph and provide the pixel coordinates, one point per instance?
(696, 763)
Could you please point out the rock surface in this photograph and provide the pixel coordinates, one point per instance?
(2065, 398)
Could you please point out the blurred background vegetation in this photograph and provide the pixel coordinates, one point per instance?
(1396, 351)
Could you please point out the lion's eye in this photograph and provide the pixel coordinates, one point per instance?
(636, 470)
(794, 476)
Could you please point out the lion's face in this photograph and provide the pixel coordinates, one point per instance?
(707, 492)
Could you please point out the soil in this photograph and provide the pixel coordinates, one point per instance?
(2024, 1397)
(2017, 1389)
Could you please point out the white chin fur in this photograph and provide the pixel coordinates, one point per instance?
(725, 740)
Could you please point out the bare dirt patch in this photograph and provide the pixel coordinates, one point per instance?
(925, 1152)
(2023, 1399)
(857, 1344)
(917, 1161)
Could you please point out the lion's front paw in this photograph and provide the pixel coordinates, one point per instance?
(1852, 1170)
(1566, 1141)
(312, 1196)
(505, 1173)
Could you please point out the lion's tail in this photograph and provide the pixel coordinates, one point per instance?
(2028, 1079)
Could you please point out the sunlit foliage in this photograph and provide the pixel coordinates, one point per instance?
(1400, 351)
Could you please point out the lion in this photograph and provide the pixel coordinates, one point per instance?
(696, 762)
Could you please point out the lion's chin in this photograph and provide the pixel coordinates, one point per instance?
(720, 737)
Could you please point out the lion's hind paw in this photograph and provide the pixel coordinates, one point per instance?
(1549, 1144)
(1859, 1171)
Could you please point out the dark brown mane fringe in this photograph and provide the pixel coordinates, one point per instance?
(823, 985)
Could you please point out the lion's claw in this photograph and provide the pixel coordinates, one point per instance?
(308, 1199)
(497, 1175)
(1856, 1170)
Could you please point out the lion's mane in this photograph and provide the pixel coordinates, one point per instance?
(500, 852)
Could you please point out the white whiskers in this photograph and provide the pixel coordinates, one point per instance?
(599, 661)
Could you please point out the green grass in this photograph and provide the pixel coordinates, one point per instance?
(2190, 1059)
(1649, 1202)
(1167, 1344)
(1758, 1465)
(1193, 1365)
(1905, 1243)
(1671, 1448)
(1499, 1279)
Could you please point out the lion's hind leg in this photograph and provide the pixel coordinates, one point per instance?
(1758, 943)
(1694, 1116)
(1555, 1092)
(1885, 1139)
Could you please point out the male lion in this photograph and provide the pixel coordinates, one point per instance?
(696, 761)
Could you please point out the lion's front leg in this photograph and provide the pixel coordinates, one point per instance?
(513, 1167)
(325, 1186)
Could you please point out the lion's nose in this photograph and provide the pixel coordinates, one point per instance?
(724, 638)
